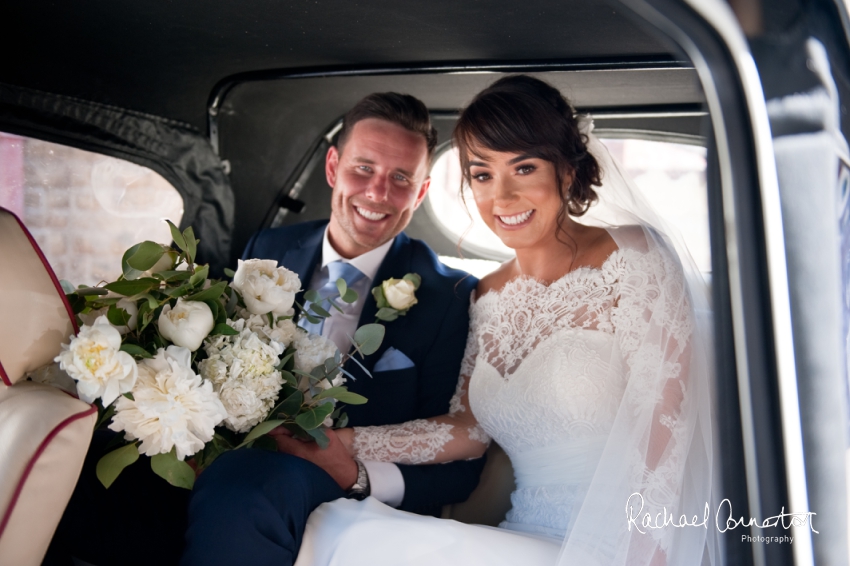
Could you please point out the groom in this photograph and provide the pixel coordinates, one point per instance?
(251, 506)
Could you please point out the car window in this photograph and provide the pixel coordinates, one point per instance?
(84, 209)
(670, 175)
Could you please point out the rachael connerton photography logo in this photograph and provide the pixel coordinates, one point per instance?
(724, 520)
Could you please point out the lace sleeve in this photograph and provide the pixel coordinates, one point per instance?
(654, 323)
(455, 436)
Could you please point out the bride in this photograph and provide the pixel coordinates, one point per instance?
(585, 361)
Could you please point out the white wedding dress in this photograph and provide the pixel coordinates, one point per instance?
(545, 373)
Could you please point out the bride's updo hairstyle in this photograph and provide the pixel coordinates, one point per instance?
(521, 114)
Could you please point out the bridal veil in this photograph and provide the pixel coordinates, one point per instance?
(650, 497)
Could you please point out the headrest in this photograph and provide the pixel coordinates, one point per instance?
(37, 318)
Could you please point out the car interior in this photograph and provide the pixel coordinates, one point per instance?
(218, 116)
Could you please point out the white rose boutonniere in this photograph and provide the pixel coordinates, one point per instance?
(396, 296)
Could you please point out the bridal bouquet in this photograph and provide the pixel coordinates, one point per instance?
(189, 367)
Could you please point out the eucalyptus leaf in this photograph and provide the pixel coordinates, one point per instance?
(129, 272)
(67, 286)
(145, 256)
(259, 430)
(319, 310)
(265, 443)
(312, 296)
(289, 378)
(342, 421)
(178, 238)
(134, 287)
(135, 350)
(350, 296)
(176, 472)
(341, 394)
(341, 286)
(209, 294)
(320, 437)
(292, 404)
(110, 466)
(387, 314)
(369, 337)
(314, 417)
(175, 275)
(310, 318)
(229, 272)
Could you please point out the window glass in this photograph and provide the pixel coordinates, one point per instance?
(84, 209)
(670, 175)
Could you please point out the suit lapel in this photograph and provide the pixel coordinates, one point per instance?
(396, 264)
(304, 258)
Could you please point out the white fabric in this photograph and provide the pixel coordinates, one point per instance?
(597, 386)
(385, 479)
(386, 482)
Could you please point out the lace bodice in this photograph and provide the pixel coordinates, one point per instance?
(544, 374)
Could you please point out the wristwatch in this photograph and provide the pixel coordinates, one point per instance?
(360, 490)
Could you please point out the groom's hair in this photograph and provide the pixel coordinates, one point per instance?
(407, 111)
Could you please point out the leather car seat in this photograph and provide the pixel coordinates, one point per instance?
(44, 431)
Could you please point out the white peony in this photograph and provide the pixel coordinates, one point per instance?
(265, 287)
(94, 360)
(312, 350)
(400, 293)
(172, 407)
(126, 304)
(187, 324)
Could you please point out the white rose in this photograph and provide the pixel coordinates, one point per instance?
(95, 361)
(400, 293)
(187, 324)
(265, 287)
(312, 350)
(172, 407)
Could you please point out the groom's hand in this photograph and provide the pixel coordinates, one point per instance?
(335, 459)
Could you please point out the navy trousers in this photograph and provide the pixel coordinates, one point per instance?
(251, 507)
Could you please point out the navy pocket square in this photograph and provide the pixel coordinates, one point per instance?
(393, 359)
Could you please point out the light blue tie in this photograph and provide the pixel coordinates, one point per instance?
(336, 270)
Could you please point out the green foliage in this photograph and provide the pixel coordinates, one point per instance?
(128, 288)
(263, 428)
(291, 405)
(117, 316)
(210, 294)
(368, 338)
(413, 278)
(135, 350)
(341, 394)
(312, 418)
(110, 466)
(225, 329)
(387, 314)
(320, 437)
(176, 472)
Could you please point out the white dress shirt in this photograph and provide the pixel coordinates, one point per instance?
(385, 479)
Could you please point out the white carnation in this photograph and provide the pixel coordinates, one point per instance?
(242, 370)
(172, 407)
(94, 360)
(312, 350)
(265, 287)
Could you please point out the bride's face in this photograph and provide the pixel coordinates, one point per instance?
(517, 196)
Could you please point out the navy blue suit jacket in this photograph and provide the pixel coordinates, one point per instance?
(432, 334)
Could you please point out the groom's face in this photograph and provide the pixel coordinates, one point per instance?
(379, 177)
